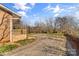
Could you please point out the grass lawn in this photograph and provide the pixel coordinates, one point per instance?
(56, 35)
(8, 47)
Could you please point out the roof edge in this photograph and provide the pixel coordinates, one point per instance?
(8, 10)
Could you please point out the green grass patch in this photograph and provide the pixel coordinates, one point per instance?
(6, 48)
(59, 34)
(25, 41)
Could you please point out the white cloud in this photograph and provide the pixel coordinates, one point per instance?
(56, 9)
(48, 8)
(72, 7)
(34, 15)
(21, 6)
(21, 13)
(33, 4)
(75, 11)
(56, 15)
(77, 15)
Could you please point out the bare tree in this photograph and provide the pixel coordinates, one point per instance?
(49, 24)
(65, 24)
(38, 27)
(43, 26)
(27, 27)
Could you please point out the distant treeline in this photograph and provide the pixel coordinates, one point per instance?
(65, 24)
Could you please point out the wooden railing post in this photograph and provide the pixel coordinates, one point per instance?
(11, 27)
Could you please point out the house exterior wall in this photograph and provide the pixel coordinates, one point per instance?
(4, 26)
(8, 19)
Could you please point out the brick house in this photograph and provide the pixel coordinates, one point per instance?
(7, 17)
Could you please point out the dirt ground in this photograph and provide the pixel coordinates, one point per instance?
(19, 37)
(44, 46)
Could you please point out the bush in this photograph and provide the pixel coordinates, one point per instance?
(6, 48)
